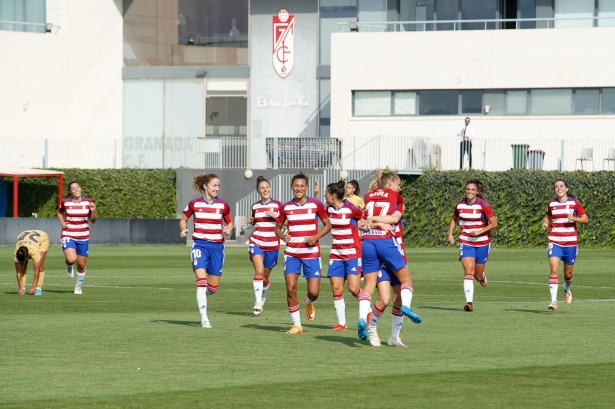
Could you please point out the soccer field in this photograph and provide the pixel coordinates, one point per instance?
(133, 339)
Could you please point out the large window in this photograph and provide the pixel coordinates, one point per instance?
(478, 10)
(372, 103)
(580, 101)
(551, 101)
(606, 8)
(226, 116)
(438, 102)
(569, 10)
(331, 13)
(23, 15)
(213, 23)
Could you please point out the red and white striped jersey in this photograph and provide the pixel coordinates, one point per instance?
(381, 202)
(473, 217)
(264, 235)
(563, 231)
(302, 223)
(344, 229)
(77, 217)
(208, 218)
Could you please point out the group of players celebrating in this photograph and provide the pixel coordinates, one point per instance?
(367, 242)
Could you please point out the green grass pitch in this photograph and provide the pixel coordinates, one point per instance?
(133, 339)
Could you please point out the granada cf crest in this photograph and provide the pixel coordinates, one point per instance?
(283, 43)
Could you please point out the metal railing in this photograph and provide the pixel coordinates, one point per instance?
(27, 27)
(318, 153)
(488, 24)
(406, 153)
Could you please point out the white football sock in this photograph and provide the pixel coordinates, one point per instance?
(258, 290)
(396, 322)
(364, 306)
(468, 288)
(265, 289)
(406, 295)
(80, 278)
(553, 282)
(340, 308)
(201, 300)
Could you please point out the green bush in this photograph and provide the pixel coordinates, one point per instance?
(118, 193)
(519, 200)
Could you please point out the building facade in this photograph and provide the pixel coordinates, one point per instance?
(286, 83)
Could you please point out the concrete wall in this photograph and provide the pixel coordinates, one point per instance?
(104, 231)
(266, 84)
(496, 59)
(67, 84)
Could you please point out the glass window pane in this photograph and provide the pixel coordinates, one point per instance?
(527, 10)
(331, 13)
(551, 101)
(213, 23)
(405, 103)
(373, 11)
(372, 103)
(587, 101)
(608, 101)
(478, 10)
(494, 100)
(412, 10)
(226, 116)
(544, 9)
(471, 102)
(447, 10)
(438, 102)
(23, 11)
(574, 8)
(516, 102)
(606, 8)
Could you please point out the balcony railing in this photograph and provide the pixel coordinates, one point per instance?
(487, 24)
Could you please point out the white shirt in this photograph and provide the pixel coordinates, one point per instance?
(468, 131)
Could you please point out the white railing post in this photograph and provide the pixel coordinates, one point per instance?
(275, 153)
(560, 162)
(485, 154)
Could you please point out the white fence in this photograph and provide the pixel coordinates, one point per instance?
(405, 153)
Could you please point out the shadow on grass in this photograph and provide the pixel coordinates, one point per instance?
(530, 311)
(348, 340)
(186, 323)
(442, 308)
(272, 328)
(241, 313)
(58, 291)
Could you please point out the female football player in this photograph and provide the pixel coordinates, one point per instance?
(31, 244)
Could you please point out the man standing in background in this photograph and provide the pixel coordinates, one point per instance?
(466, 134)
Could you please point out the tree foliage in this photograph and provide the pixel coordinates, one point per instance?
(519, 200)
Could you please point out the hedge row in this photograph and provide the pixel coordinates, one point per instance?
(519, 200)
(118, 193)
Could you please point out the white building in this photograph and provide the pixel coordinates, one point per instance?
(194, 83)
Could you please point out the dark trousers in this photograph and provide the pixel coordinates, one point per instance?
(465, 146)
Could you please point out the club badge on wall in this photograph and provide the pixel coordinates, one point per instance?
(283, 43)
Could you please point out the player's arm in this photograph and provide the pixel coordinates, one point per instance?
(229, 224)
(492, 223)
(60, 217)
(280, 234)
(546, 221)
(579, 219)
(382, 225)
(323, 232)
(451, 228)
(392, 219)
(183, 226)
(93, 216)
(20, 271)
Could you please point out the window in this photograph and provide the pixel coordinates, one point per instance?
(331, 13)
(606, 8)
(587, 101)
(438, 102)
(551, 101)
(478, 10)
(226, 116)
(372, 103)
(412, 10)
(213, 23)
(324, 117)
(574, 8)
(471, 102)
(23, 11)
(447, 10)
(608, 101)
(494, 100)
(516, 102)
(404, 103)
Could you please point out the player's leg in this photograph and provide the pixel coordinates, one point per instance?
(384, 294)
(569, 259)
(270, 261)
(481, 256)
(291, 275)
(370, 267)
(392, 256)
(555, 256)
(397, 318)
(257, 258)
(70, 255)
(467, 256)
(336, 275)
(43, 247)
(200, 260)
(312, 271)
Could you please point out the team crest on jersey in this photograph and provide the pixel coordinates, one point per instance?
(283, 42)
